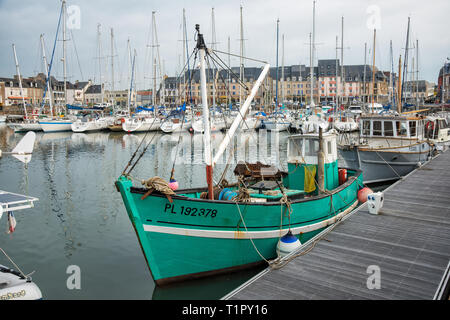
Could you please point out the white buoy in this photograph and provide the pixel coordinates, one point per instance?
(15, 287)
(287, 244)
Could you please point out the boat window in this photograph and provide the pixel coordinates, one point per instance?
(401, 128)
(377, 128)
(329, 149)
(412, 128)
(388, 130)
(311, 147)
(296, 147)
(442, 124)
(366, 128)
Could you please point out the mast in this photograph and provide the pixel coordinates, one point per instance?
(64, 52)
(49, 87)
(342, 60)
(112, 68)
(399, 90)
(229, 74)
(391, 88)
(20, 81)
(241, 70)
(99, 59)
(184, 57)
(373, 69)
(336, 94)
(201, 47)
(276, 89)
(283, 98)
(129, 76)
(417, 73)
(364, 77)
(312, 54)
(405, 67)
(213, 47)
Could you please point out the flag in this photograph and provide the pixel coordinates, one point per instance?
(12, 222)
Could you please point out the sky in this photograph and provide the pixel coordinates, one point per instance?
(22, 23)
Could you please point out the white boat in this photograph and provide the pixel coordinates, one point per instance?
(437, 131)
(311, 124)
(56, 125)
(141, 124)
(2, 118)
(174, 125)
(14, 286)
(277, 122)
(345, 124)
(217, 124)
(26, 125)
(88, 125)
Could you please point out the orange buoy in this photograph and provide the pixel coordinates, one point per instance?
(122, 120)
(363, 193)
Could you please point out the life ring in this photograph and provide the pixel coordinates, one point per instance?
(429, 126)
(122, 120)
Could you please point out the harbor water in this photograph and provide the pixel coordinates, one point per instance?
(80, 219)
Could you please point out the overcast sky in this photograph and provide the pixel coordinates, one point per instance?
(23, 21)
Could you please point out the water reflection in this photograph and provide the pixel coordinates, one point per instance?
(80, 218)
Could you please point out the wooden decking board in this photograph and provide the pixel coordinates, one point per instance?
(409, 240)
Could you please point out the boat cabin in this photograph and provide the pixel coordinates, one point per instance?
(399, 127)
(302, 161)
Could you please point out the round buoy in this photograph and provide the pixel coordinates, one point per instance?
(287, 244)
(363, 193)
(173, 184)
(342, 176)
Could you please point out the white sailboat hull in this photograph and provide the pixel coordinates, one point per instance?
(56, 125)
(89, 126)
(141, 125)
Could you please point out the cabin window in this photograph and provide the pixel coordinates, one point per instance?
(412, 128)
(311, 147)
(366, 128)
(377, 128)
(329, 149)
(296, 147)
(442, 124)
(401, 128)
(388, 129)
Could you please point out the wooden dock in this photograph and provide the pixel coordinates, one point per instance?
(402, 253)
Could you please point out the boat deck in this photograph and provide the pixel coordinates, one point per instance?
(407, 245)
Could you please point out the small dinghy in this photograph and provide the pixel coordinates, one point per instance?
(15, 286)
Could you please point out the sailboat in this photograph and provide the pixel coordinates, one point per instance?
(199, 232)
(62, 123)
(29, 122)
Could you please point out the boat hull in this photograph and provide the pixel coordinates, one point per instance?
(56, 126)
(25, 126)
(382, 165)
(193, 238)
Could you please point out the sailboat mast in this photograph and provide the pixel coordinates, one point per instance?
(213, 47)
(112, 68)
(100, 60)
(282, 70)
(342, 61)
(417, 72)
(229, 74)
(364, 76)
(391, 88)
(20, 80)
(64, 52)
(276, 89)
(405, 67)
(336, 94)
(129, 76)
(241, 71)
(201, 46)
(312, 54)
(49, 87)
(399, 90)
(373, 69)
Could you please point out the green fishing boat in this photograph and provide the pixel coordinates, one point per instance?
(221, 228)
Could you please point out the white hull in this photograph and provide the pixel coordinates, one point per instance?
(277, 126)
(15, 288)
(141, 125)
(2, 118)
(88, 126)
(349, 126)
(216, 125)
(56, 125)
(25, 126)
(170, 127)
